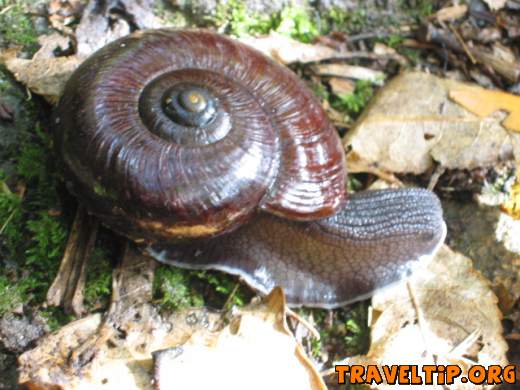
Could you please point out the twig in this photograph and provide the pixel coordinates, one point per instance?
(75, 301)
(8, 219)
(67, 288)
(6, 9)
(312, 330)
(231, 296)
(463, 44)
(421, 321)
(434, 179)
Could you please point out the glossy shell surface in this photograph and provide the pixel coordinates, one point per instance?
(268, 144)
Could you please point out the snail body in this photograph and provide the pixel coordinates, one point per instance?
(217, 157)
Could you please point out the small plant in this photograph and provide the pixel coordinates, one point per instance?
(32, 231)
(297, 23)
(226, 286)
(172, 288)
(10, 216)
(338, 19)
(235, 19)
(12, 294)
(15, 23)
(357, 334)
(394, 40)
(419, 9)
(98, 286)
(320, 90)
(353, 102)
(56, 317)
(176, 288)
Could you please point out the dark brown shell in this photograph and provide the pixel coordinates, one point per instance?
(279, 152)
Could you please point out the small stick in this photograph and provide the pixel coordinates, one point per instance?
(463, 44)
(231, 296)
(434, 179)
(67, 287)
(75, 296)
(312, 330)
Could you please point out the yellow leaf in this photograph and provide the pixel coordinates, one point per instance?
(512, 205)
(483, 102)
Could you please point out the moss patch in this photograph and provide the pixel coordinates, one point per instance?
(176, 288)
(352, 103)
(32, 229)
(16, 25)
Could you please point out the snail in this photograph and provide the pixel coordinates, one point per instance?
(211, 155)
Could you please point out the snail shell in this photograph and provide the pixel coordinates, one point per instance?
(154, 165)
(176, 137)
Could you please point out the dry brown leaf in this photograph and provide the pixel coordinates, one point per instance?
(203, 353)
(496, 4)
(446, 314)
(341, 86)
(483, 102)
(383, 50)
(63, 13)
(451, 13)
(287, 50)
(101, 25)
(256, 339)
(44, 74)
(411, 123)
(349, 71)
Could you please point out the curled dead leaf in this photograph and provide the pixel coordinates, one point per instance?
(189, 349)
(411, 123)
(451, 13)
(287, 50)
(496, 4)
(44, 74)
(445, 314)
(484, 102)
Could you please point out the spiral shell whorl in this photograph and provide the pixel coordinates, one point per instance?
(268, 144)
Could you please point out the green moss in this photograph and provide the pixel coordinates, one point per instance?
(46, 245)
(56, 317)
(32, 230)
(227, 286)
(12, 294)
(176, 288)
(98, 286)
(357, 335)
(235, 19)
(297, 23)
(418, 9)
(413, 55)
(339, 19)
(353, 102)
(320, 90)
(393, 40)
(42, 232)
(172, 288)
(16, 25)
(348, 334)
(10, 216)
